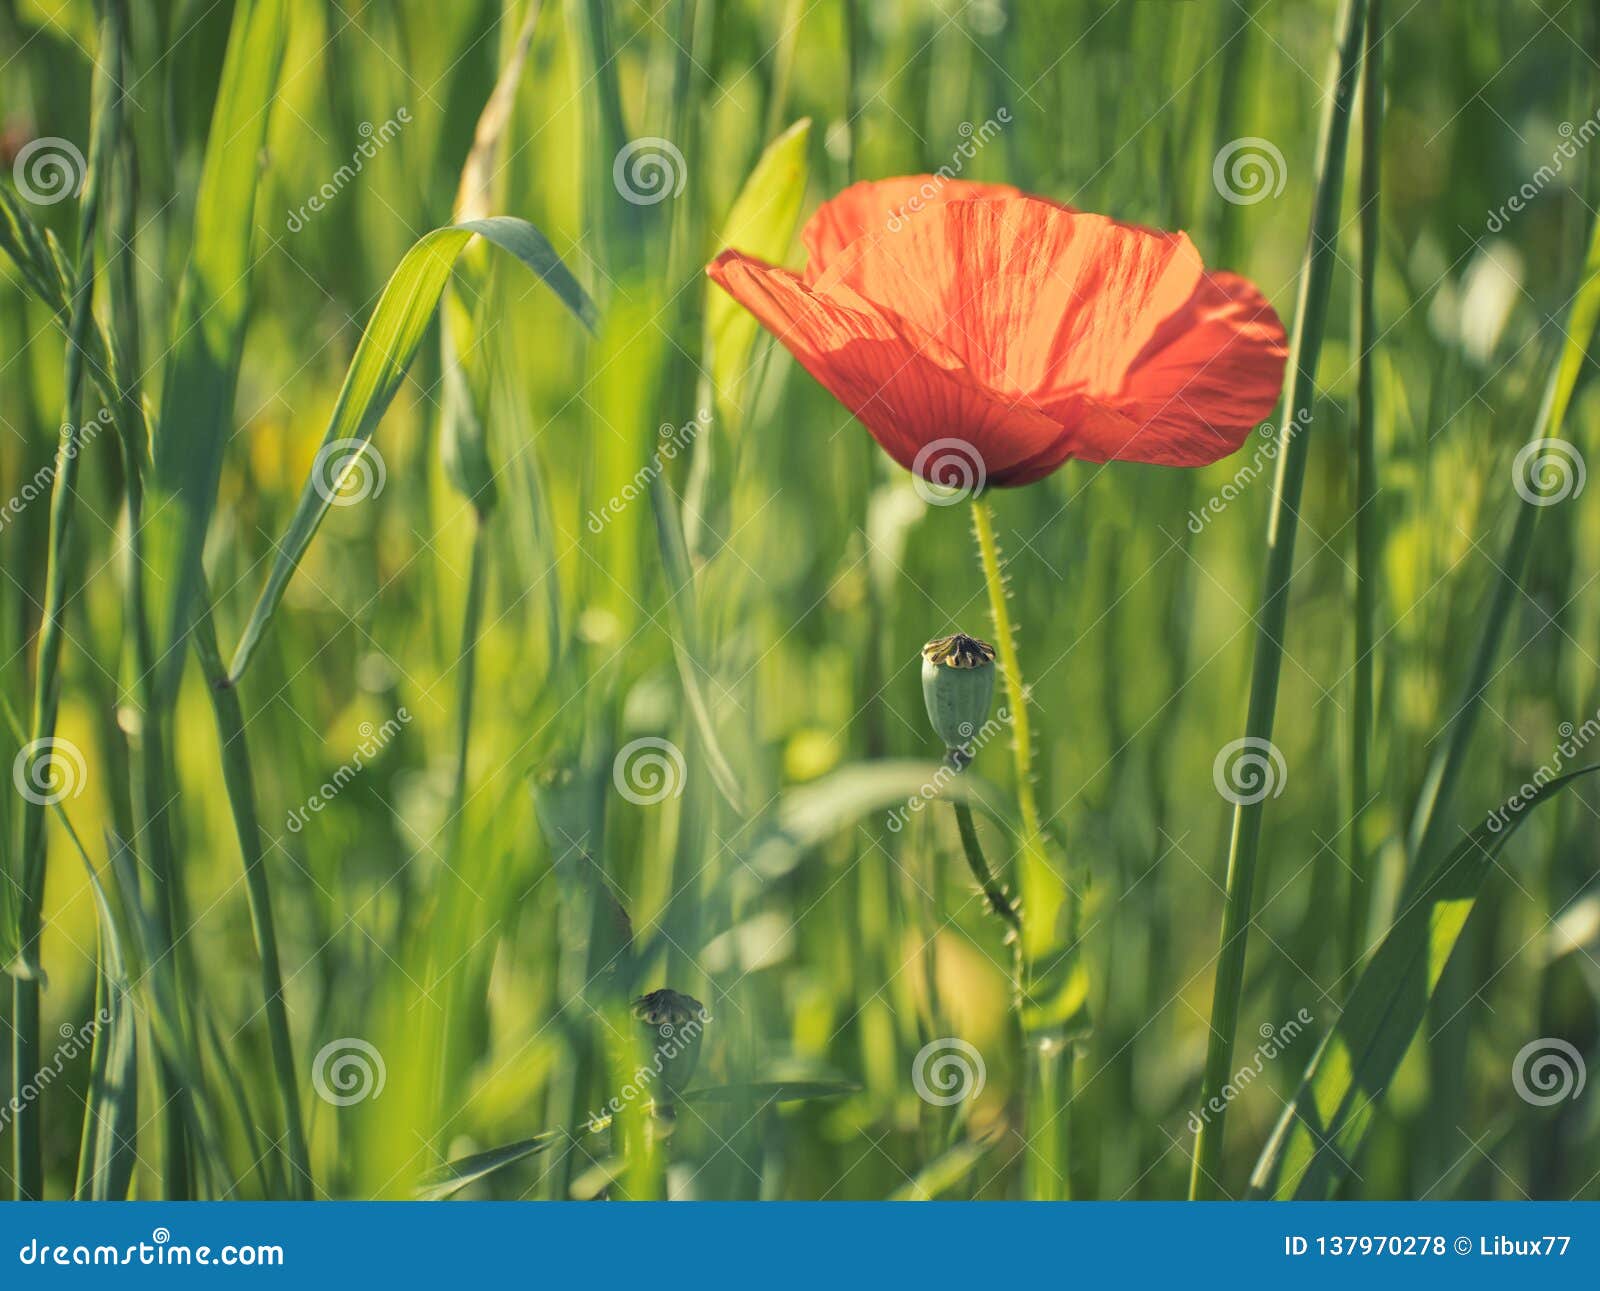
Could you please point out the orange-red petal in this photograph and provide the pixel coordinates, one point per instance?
(880, 206)
(907, 392)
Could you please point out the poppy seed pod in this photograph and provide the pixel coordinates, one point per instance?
(958, 684)
(674, 1024)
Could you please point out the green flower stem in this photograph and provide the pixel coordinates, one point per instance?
(1047, 1111)
(1293, 445)
(996, 896)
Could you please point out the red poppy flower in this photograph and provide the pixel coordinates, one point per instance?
(957, 319)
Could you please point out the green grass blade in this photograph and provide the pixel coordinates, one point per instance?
(943, 1173)
(1365, 502)
(685, 637)
(208, 334)
(1511, 568)
(1320, 1133)
(458, 1174)
(761, 223)
(1271, 622)
(379, 367)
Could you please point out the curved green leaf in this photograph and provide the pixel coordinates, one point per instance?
(455, 1176)
(380, 364)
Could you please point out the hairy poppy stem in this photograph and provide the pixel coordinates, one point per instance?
(1044, 901)
(993, 893)
(1294, 443)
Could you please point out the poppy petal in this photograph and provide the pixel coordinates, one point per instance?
(881, 206)
(1210, 373)
(920, 403)
(1039, 302)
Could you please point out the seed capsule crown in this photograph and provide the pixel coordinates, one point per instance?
(959, 651)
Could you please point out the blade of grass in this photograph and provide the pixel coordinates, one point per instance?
(382, 358)
(1443, 774)
(1367, 535)
(1320, 1133)
(1271, 621)
(239, 781)
(26, 1145)
(213, 305)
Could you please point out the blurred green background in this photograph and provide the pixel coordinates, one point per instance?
(449, 941)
